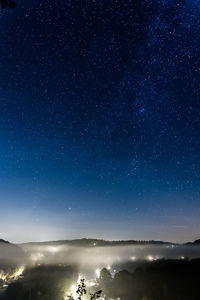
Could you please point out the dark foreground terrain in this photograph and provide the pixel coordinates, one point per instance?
(158, 280)
(52, 271)
(163, 279)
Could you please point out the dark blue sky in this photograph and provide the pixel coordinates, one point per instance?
(100, 120)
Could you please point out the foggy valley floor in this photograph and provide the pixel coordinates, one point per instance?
(131, 270)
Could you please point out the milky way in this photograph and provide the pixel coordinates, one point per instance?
(100, 120)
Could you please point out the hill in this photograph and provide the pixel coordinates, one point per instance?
(95, 243)
(11, 254)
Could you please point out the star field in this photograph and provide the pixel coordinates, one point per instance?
(100, 120)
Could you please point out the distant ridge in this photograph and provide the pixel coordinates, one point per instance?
(86, 242)
(11, 254)
(195, 243)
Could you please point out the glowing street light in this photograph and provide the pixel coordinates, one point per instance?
(133, 258)
(150, 258)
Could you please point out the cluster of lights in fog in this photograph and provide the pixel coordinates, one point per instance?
(53, 250)
(6, 277)
(36, 256)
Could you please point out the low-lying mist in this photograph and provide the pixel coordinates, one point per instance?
(53, 271)
(89, 259)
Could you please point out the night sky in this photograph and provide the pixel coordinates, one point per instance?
(100, 120)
